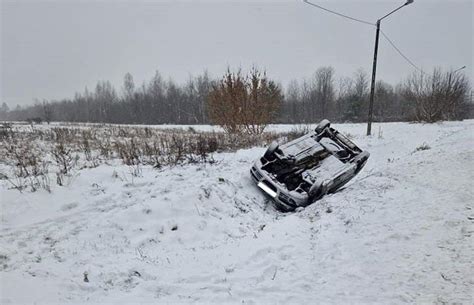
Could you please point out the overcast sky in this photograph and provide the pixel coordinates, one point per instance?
(51, 49)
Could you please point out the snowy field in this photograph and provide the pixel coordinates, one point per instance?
(400, 232)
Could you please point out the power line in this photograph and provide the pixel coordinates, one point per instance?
(400, 52)
(371, 24)
(339, 14)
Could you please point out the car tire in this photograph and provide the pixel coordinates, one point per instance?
(322, 125)
(270, 153)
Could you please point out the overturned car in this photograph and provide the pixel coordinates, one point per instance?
(300, 172)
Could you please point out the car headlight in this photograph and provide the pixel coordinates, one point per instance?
(266, 189)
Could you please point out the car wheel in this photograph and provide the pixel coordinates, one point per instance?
(322, 125)
(270, 153)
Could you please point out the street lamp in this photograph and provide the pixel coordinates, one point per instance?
(459, 69)
(374, 66)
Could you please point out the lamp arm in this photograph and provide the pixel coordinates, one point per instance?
(393, 11)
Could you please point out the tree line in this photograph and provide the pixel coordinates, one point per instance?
(439, 95)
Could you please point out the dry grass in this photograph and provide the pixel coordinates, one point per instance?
(422, 147)
(29, 155)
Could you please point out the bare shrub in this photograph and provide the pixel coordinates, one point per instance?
(129, 151)
(177, 149)
(201, 149)
(65, 160)
(244, 104)
(5, 131)
(61, 134)
(153, 153)
(105, 148)
(28, 167)
(85, 145)
(205, 146)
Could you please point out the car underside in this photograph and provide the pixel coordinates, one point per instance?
(302, 171)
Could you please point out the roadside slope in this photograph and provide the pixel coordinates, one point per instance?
(401, 231)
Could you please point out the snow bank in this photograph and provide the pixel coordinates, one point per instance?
(400, 232)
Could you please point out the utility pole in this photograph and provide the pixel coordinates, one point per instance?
(372, 83)
(374, 67)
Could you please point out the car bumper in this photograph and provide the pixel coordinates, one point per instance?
(284, 200)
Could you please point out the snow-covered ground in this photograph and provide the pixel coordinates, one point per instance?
(400, 232)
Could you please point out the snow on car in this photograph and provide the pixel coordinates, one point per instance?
(300, 172)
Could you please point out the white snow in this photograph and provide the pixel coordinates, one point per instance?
(400, 232)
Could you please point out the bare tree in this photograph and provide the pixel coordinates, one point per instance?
(361, 83)
(325, 90)
(293, 98)
(4, 110)
(345, 87)
(264, 100)
(128, 86)
(225, 102)
(384, 101)
(359, 97)
(47, 111)
(438, 96)
(203, 85)
(105, 96)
